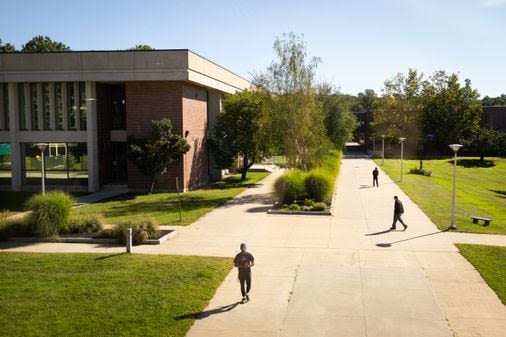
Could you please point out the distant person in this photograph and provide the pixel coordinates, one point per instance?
(244, 261)
(375, 174)
(398, 211)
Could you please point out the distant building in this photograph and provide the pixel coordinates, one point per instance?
(494, 117)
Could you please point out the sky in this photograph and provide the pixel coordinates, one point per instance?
(361, 43)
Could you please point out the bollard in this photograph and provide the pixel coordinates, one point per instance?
(129, 240)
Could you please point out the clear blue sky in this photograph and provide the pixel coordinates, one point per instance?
(361, 43)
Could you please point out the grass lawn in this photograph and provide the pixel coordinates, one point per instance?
(481, 191)
(490, 262)
(100, 295)
(163, 207)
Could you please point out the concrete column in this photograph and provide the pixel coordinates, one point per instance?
(28, 107)
(78, 107)
(65, 106)
(129, 240)
(17, 179)
(91, 136)
(2, 112)
(40, 106)
(52, 107)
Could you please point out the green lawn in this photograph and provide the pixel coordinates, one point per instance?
(490, 262)
(481, 191)
(163, 207)
(100, 295)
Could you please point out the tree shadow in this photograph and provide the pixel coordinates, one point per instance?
(389, 244)
(261, 209)
(500, 194)
(470, 163)
(109, 256)
(207, 313)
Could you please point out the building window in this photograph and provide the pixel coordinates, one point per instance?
(71, 106)
(118, 107)
(4, 102)
(34, 106)
(21, 106)
(59, 105)
(5, 164)
(65, 164)
(46, 98)
(82, 105)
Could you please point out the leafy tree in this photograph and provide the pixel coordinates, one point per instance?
(238, 132)
(296, 117)
(491, 101)
(44, 44)
(153, 155)
(142, 47)
(6, 48)
(339, 121)
(450, 112)
(366, 101)
(487, 142)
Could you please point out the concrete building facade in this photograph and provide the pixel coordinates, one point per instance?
(86, 104)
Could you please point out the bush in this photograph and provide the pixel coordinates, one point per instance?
(318, 184)
(421, 172)
(294, 207)
(290, 187)
(10, 227)
(85, 223)
(142, 229)
(319, 206)
(49, 213)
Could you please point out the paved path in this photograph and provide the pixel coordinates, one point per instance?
(343, 275)
(478, 239)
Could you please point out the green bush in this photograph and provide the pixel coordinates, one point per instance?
(290, 187)
(49, 214)
(10, 227)
(319, 206)
(294, 207)
(422, 172)
(142, 229)
(84, 223)
(318, 184)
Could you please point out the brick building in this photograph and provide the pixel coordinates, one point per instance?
(86, 104)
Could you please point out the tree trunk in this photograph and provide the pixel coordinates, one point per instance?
(246, 164)
(482, 158)
(152, 187)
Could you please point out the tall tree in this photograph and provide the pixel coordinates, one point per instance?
(491, 101)
(153, 155)
(238, 132)
(142, 47)
(295, 113)
(6, 48)
(366, 101)
(44, 44)
(451, 112)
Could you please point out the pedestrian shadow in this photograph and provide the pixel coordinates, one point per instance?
(365, 186)
(389, 244)
(207, 313)
(379, 233)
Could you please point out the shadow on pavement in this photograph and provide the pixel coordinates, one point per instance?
(389, 244)
(379, 233)
(207, 313)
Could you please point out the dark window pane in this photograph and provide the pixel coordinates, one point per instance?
(82, 104)
(22, 106)
(46, 97)
(34, 106)
(71, 106)
(59, 105)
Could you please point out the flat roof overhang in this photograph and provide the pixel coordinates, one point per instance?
(121, 66)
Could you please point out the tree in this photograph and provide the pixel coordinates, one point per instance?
(491, 101)
(486, 142)
(142, 47)
(366, 101)
(44, 44)
(6, 48)
(238, 132)
(153, 155)
(339, 121)
(450, 112)
(296, 117)
(398, 110)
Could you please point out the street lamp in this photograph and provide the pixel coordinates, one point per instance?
(382, 150)
(401, 140)
(42, 147)
(455, 148)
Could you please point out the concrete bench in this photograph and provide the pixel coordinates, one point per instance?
(486, 221)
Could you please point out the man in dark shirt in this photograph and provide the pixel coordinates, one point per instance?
(244, 261)
(375, 173)
(398, 211)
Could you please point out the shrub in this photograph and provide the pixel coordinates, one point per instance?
(290, 187)
(421, 172)
(318, 184)
(10, 227)
(142, 229)
(85, 223)
(319, 206)
(49, 213)
(294, 207)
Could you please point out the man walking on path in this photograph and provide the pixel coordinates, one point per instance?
(244, 261)
(398, 211)
(375, 173)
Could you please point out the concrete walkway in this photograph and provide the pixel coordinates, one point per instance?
(478, 239)
(344, 275)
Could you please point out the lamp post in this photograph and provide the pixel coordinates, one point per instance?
(401, 140)
(42, 147)
(455, 148)
(382, 150)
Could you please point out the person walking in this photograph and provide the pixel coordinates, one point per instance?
(244, 261)
(398, 211)
(375, 174)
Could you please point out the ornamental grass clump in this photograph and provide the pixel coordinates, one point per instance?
(318, 184)
(49, 214)
(290, 187)
(142, 230)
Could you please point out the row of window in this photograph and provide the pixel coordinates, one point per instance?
(38, 101)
